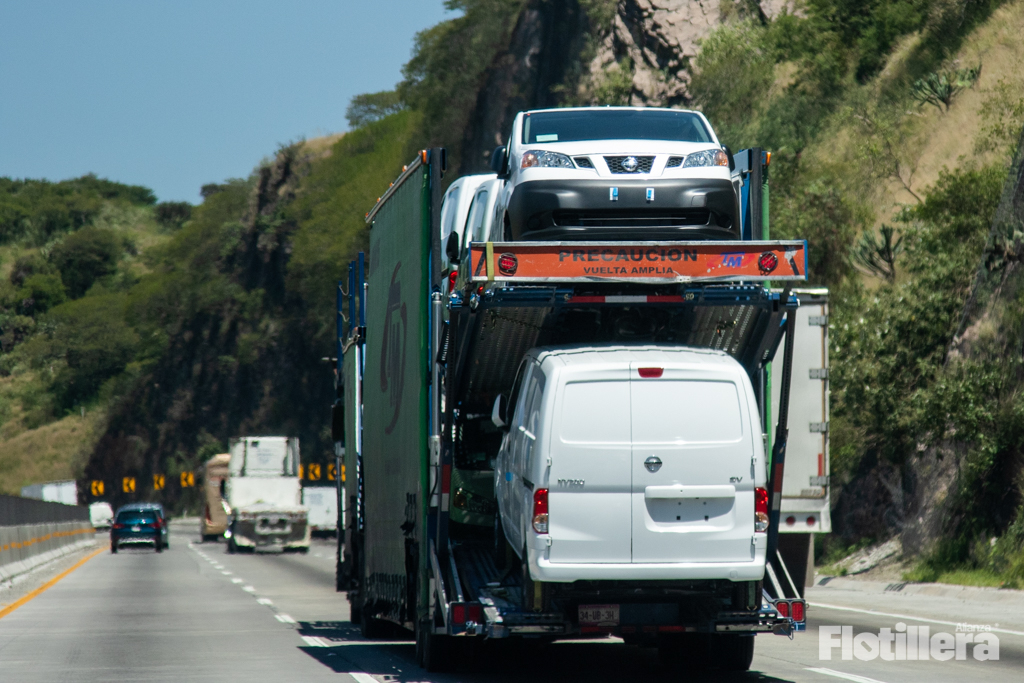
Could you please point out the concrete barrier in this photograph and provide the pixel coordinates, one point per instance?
(34, 532)
(25, 547)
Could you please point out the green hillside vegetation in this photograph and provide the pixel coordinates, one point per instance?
(893, 129)
(893, 126)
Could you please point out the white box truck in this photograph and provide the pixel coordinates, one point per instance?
(263, 492)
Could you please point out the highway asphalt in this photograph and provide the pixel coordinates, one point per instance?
(195, 613)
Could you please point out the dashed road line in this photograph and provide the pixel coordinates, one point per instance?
(265, 601)
(237, 580)
(361, 677)
(844, 676)
(284, 618)
(314, 641)
(249, 589)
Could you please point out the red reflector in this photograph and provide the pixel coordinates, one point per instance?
(810, 521)
(458, 613)
(671, 629)
(451, 280)
(508, 264)
(791, 520)
(650, 373)
(798, 610)
(475, 612)
(783, 608)
(118, 526)
(761, 500)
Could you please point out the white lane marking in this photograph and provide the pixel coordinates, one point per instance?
(249, 589)
(265, 601)
(313, 641)
(284, 618)
(361, 677)
(904, 616)
(237, 580)
(392, 643)
(226, 573)
(845, 676)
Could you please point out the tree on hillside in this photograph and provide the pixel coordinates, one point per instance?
(86, 256)
(374, 106)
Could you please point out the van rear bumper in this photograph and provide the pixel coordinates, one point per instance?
(542, 569)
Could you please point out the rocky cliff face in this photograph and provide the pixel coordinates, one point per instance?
(560, 53)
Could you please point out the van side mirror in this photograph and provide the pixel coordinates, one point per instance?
(451, 248)
(498, 161)
(498, 416)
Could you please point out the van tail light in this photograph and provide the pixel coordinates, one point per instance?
(475, 612)
(650, 373)
(117, 526)
(458, 613)
(797, 610)
(760, 510)
(540, 511)
(782, 607)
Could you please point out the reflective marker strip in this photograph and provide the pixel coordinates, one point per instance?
(490, 260)
(446, 485)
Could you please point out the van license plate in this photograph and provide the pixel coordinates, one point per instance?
(599, 615)
(136, 528)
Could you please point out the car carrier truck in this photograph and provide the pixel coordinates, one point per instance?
(426, 359)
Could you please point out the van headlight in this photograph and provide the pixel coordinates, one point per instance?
(709, 157)
(543, 159)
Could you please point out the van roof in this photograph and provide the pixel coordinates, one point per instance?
(603, 353)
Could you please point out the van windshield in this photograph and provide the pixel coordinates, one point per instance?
(613, 124)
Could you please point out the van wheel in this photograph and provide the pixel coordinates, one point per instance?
(159, 546)
(355, 612)
(733, 652)
(232, 548)
(113, 547)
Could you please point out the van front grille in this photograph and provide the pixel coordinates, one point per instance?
(643, 164)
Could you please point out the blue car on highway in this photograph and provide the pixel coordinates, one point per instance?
(139, 523)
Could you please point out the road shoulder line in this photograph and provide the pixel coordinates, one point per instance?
(904, 616)
(46, 586)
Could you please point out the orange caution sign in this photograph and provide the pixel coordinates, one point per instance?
(96, 487)
(313, 472)
(187, 479)
(158, 482)
(707, 261)
(332, 472)
(128, 484)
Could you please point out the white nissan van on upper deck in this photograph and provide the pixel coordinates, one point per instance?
(632, 462)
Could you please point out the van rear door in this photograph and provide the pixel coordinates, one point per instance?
(589, 480)
(692, 448)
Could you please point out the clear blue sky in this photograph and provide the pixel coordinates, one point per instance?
(175, 94)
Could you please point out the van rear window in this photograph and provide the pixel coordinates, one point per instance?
(686, 411)
(595, 412)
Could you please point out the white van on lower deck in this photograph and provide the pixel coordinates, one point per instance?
(633, 462)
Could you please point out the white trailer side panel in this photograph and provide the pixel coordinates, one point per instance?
(805, 486)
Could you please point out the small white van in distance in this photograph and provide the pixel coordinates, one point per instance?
(632, 462)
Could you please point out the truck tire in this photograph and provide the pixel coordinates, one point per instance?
(687, 652)
(371, 628)
(733, 652)
(232, 548)
(113, 547)
(434, 651)
(355, 613)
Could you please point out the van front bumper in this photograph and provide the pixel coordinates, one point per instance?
(624, 208)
